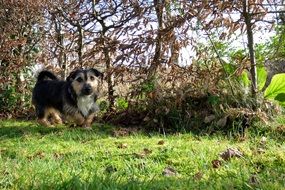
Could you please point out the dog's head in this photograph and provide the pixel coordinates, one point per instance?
(85, 82)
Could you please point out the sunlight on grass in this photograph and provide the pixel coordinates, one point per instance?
(33, 157)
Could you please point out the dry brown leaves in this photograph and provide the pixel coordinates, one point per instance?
(231, 153)
(161, 142)
(216, 163)
(198, 176)
(169, 171)
(121, 132)
(122, 145)
(39, 155)
(143, 153)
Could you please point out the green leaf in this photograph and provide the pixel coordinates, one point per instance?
(261, 76)
(214, 100)
(277, 86)
(280, 97)
(229, 68)
(244, 79)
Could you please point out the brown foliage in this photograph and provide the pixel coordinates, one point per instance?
(136, 44)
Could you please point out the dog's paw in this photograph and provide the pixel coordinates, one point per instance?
(73, 126)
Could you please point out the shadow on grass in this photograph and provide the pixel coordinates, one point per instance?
(22, 128)
(18, 129)
(161, 183)
(99, 183)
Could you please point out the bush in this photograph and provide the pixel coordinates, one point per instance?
(15, 99)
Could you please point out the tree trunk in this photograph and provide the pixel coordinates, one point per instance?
(107, 59)
(80, 44)
(111, 97)
(250, 44)
(61, 56)
(157, 55)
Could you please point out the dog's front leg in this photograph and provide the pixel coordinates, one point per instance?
(88, 121)
(44, 122)
(55, 116)
(78, 119)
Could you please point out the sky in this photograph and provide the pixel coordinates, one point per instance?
(261, 34)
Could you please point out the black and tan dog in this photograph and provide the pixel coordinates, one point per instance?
(74, 99)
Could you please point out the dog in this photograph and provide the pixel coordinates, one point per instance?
(73, 98)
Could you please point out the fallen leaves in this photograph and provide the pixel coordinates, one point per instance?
(122, 145)
(122, 132)
(209, 118)
(3, 150)
(57, 155)
(169, 171)
(280, 129)
(110, 169)
(230, 153)
(39, 155)
(226, 156)
(222, 122)
(139, 155)
(198, 176)
(260, 151)
(147, 151)
(253, 180)
(143, 154)
(216, 163)
(161, 142)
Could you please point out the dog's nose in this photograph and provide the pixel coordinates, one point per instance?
(87, 90)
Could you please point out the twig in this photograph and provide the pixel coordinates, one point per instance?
(220, 60)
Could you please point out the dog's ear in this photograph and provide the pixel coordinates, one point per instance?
(72, 75)
(97, 73)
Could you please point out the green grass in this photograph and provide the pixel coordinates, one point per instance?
(34, 157)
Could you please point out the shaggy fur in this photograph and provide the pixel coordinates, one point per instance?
(75, 98)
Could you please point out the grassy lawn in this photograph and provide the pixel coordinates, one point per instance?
(34, 157)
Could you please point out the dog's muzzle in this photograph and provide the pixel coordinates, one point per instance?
(87, 89)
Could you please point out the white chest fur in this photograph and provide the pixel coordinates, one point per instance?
(85, 104)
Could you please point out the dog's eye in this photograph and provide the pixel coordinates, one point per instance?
(79, 79)
(92, 78)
